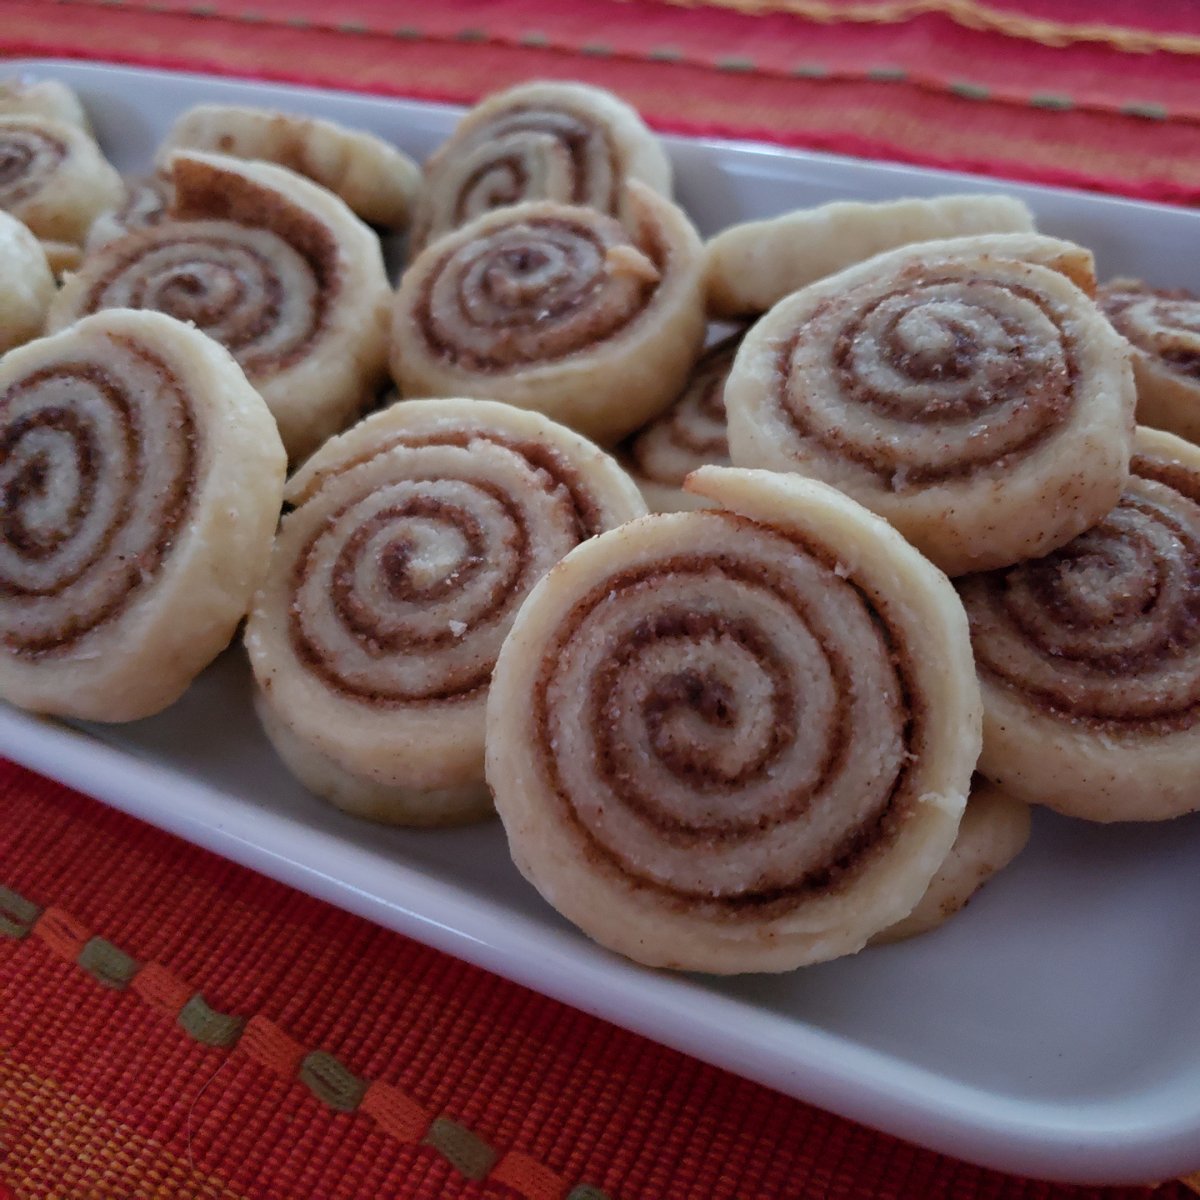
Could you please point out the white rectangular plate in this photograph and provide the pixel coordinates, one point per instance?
(1049, 1030)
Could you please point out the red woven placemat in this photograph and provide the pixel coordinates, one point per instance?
(172, 1025)
(187, 1069)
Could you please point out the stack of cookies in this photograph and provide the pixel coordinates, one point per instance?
(910, 566)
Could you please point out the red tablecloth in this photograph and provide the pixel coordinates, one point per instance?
(174, 1026)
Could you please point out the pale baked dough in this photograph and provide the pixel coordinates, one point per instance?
(373, 177)
(1163, 326)
(147, 202)
(556, 308)
(26, 284)
(967, 390)
(750, 267)
(142, 480)
(567, 142)
(994, 830)
(414, 538)
(275, 268)
(43, 98)
(1090, 658)
(690, 434)
(717, 739)
(58, 181)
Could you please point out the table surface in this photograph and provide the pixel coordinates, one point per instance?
(173, 1025)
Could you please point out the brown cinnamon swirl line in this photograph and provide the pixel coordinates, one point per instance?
(966, 390)
(1090, 657)
(690, 434)
(566, 142)
(148, 200)
(1163, 327)
(274, 268)
(413, 540)
(556, 308)
(710, 741)
(26, 284)
(53, 177)
(140, 482)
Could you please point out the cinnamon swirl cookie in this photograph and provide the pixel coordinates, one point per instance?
(750, 267)
(994, 830)
(566, 142)
(26, 284)
(967, 390)
(276, 269)
(1163, 326)
(53, 177)
(712, 738)
(1090, 657)
(559, 309)
(374, 178)
(140, 484)
(147, 202)
(688, 435)
(43, 98)
(415, 537)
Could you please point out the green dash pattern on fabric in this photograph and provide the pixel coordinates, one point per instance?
(464, 1149)
(209, 1026)
(331, 1082)
(110, 965)
(17, 915)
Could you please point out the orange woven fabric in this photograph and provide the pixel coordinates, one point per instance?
(432, 1079)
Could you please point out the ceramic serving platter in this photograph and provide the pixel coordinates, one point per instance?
(1049, 1030)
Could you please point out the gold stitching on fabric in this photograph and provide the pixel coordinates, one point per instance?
(17, 915)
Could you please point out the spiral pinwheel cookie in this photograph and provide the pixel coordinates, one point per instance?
(276, 269)
(559, 309)
(1164, 329)
(715, 739)
(53, 177)
(750, 267)
(374, 178)
(566, 142)
(415, 537)
(1090, 657)
(45, 98)
(26, 284)
(966, 390)
(147, 202)
(690, 434)
(139, 489)
(994, 830)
